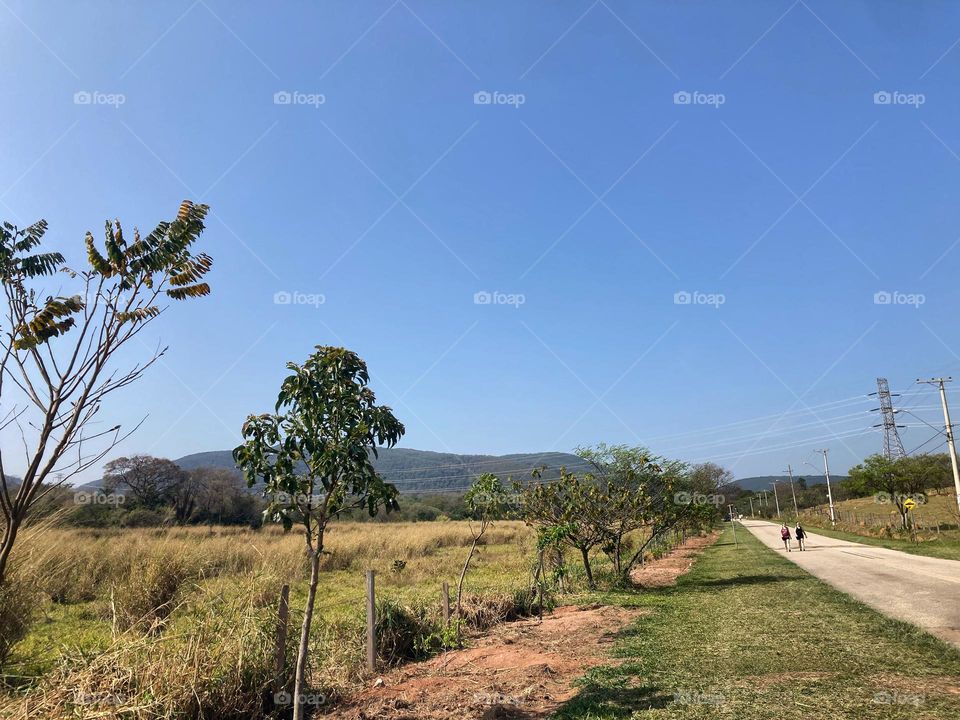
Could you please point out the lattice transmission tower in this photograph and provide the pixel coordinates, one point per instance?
(892, 445)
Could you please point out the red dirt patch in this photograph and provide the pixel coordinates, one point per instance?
(523, 669)
(665, 571)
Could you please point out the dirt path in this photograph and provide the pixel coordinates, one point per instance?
(522, 669)
(665, 571)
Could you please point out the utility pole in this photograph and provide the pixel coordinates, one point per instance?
(733, 526)
(751, 506)
(796, 512)
(775, 498)
(949, 430)
(826, 474)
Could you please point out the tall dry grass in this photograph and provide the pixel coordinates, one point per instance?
(75, 565)
(192, 611)
(219, 665)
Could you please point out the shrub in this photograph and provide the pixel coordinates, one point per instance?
(18, 602)
(219, 664)
(145, 598)
(402, 632)
(481, 612)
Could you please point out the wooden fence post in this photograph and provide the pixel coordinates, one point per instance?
(280, 656)
(446, 603)
(371, 623)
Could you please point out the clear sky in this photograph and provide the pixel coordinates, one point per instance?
(738, 152)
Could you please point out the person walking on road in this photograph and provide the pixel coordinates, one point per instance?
(785, 536)
(800, 535)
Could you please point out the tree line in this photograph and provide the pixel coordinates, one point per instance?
(890, 481)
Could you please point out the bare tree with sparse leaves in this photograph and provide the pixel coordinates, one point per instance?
(59, 351)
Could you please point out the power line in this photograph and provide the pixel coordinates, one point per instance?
(841, 419)
(787, 446)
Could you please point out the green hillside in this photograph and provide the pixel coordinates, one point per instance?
(423, 471)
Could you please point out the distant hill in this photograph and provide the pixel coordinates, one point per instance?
(762, 482)
(423, 471)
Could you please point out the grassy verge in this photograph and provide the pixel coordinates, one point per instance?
(947, 548)
(747, 634)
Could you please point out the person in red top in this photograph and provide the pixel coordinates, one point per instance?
(785, 536)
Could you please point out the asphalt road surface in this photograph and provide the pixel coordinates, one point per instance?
(920, 590)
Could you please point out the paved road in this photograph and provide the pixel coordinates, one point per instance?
(920, 590)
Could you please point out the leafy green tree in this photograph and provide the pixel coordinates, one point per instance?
(891, 481)
(632, 489)
(58, 352)
(709, 477)
(562, 503)
(932, 471)
(314, 458)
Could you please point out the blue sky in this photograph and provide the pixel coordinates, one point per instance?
(782, 198)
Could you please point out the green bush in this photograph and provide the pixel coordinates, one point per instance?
(402, 632)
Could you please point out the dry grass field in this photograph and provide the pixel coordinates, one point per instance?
(155, 623)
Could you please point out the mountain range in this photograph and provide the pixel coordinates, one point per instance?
(424, 471)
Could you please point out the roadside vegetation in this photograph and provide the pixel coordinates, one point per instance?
(173, 621)
(748, 634)
(180, 621)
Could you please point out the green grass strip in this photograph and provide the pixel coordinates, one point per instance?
(748, 634)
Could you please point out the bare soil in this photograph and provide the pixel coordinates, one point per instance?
(524, 669)
(665, 571)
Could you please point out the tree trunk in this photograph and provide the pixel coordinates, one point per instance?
(463, 575)
(637, 557)
(9, 536)
(298, 691)
(586, 567)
